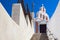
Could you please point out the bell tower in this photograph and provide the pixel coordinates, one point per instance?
(41, 25)
(41, 20)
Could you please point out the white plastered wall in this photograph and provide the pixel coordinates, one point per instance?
(28, 30)
(54, 23)
(9, 30)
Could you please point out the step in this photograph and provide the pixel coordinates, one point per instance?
(39, 36)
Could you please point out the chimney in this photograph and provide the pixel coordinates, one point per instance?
(16, 10)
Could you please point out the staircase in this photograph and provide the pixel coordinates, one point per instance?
(39, 36)
(43, 36)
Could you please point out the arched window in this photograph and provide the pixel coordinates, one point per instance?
(40, 15)
(43, 17)
(46, 18)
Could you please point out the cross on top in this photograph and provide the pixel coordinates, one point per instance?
(43, 8)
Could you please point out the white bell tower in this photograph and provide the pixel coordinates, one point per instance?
(42, 18)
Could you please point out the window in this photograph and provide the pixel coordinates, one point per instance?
(40, 15)
(46, 18)
(43, 17)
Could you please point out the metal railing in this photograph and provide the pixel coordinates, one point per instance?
(50, 35)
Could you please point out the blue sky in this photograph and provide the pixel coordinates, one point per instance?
(50, 5)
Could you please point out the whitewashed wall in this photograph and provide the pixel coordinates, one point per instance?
(9, 30)
(54, 23)
(27, 29)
